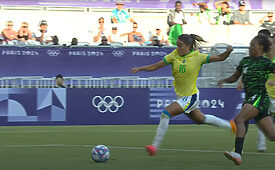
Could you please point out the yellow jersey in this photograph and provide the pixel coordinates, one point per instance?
(185, 70)
(271, 89)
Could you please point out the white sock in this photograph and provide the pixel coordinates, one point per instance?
(261, 140)
(161, 131)
(215, 121)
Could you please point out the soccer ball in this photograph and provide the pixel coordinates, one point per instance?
(100, 154)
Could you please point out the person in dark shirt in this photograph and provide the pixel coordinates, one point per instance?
(254, 71)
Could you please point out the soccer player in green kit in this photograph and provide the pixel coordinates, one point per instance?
(254, 70)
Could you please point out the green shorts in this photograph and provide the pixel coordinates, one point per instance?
(261, 102)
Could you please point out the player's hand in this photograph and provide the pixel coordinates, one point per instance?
(135, 70)
(219, 84)
(229, 48)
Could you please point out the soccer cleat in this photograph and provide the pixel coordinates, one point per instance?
(235, 157)
(152, 150)
(233, 126)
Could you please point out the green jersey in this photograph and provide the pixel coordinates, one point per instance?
(255, 73)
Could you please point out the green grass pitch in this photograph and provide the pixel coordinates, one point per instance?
(186, 147)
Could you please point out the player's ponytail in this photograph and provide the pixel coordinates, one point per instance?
(196, 41)
(193, 40)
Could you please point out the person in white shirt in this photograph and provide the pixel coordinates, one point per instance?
(176, 16)
(115, 37)
(101, 31)
(161, 38)
(42, 35)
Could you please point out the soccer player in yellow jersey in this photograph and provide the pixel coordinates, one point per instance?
(270, 88)
(186, 62)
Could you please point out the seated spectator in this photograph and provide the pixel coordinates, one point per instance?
(269, 17)
(104, 41)
(55, 40)
(205, 16)
(119, 15)
(135, 36)
(59, 81)
(42, 34)
(176, 16)
(224, 13)
(2, 42)
(241, 16)
(8, 33)
(269, 23)
(74, 41)
(101, 31)
(159, 39)
(114, 37)
(24, 34)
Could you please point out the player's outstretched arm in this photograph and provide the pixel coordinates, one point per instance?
(223, 56)
(231, 79)
(151, 67)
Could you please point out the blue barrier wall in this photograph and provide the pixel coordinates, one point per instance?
(105, 106)
(98, 62)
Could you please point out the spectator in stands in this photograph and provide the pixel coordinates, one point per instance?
(135, 36)
(2, 40)
(8, 33)
(269, 23)
(269, 17)
(24, 34)
(104, 41)
(205, 16)
(159, 39)
(55, 40)
(119, 15)
(101, 30)
(241, 16)
(175, 21)
(224, 13)
(176, 16)
(74, 41)
(114, 37)
(59, 81)
(42, 34)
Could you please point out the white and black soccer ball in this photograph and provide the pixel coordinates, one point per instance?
(100, 154)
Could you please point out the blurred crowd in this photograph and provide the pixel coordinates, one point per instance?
(120, 18)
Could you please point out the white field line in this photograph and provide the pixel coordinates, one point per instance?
(121, 131)
(136, 148)
(28, 131)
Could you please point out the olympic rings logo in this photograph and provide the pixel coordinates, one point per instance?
(53, 52)
(108, 103)
(118, 53)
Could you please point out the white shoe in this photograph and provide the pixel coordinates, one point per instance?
(235, 157)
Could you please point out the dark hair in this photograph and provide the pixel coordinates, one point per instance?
(101, 18)
(59, 76)
(226, 3)
(264, 41)
(178, 2)
(191, 39)
(74, 41)
(135, 23)
(264, 32)
(55, 40)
